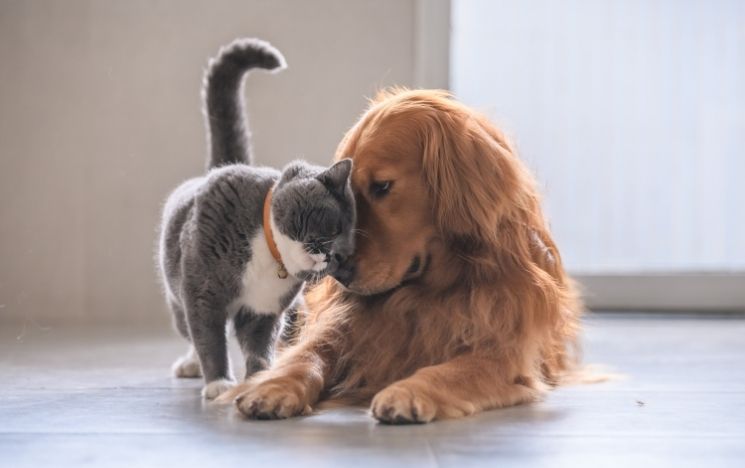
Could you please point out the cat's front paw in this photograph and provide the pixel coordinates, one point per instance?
(272, 400)
(215, 388)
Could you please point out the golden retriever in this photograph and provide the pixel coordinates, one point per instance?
(455, 301)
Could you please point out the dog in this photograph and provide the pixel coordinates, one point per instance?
(455, 300)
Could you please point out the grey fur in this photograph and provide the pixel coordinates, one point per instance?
(212, 224)
(227, 129)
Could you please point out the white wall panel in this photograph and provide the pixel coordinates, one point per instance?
(631, 114)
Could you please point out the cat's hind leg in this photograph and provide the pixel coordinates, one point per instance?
(186, 366)
(257, 335)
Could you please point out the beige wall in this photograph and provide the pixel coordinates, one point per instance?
(100, 118)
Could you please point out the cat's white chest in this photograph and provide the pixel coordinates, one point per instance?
(262, 288)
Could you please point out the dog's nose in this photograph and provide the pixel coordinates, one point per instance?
(344, 272)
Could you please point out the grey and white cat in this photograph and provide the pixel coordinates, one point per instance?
(215, 256)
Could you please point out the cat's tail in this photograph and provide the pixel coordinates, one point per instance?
(222, 94)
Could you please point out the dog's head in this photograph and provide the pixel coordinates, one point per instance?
(431, 178)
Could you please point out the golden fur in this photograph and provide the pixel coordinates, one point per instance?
(489, 320)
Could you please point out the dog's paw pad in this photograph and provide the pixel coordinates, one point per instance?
(271, 402)
(400, 405)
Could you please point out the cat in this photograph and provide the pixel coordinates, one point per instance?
(237, 244)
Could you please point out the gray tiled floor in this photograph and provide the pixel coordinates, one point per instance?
(100, 397)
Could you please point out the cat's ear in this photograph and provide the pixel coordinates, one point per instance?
(293, 170)
(336, 177)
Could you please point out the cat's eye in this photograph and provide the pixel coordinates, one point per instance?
(379, 189)
(316, 246)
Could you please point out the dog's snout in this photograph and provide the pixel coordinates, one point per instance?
(344, 272)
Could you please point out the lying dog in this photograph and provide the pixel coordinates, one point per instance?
(455, 301)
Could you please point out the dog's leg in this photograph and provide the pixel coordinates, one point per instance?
(290, 388)
(460, 387)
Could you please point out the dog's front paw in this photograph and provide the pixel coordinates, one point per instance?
(215, 388)
(273, 399)
(399, 404)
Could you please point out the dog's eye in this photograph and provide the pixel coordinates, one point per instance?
(379, 189)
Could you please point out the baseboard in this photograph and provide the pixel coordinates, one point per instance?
(682, 292)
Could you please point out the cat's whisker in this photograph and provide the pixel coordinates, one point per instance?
(317, 242)
(361, 232)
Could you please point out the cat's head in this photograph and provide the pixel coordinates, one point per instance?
(313, 217)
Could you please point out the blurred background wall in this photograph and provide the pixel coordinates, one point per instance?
(100, 119)
(628, 112)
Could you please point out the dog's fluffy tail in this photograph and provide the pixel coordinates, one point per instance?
(590, 374)
(225, 118)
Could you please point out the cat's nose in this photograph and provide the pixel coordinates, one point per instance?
(344, 272)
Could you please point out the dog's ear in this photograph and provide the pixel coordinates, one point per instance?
(472, 174)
